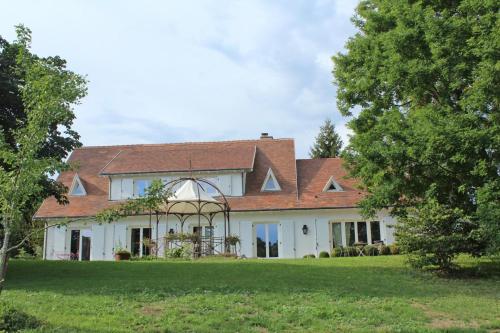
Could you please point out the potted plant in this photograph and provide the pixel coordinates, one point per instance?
(122, 254)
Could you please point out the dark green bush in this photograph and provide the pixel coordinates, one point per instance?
(394, 248)
(309, 256)
(383, 250)
(370, 250)
(337, 252)
(13, 320)
(324, 254)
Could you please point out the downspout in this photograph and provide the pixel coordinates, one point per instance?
(316, 236)
(294, 241)
(157, 235)
(45, 241)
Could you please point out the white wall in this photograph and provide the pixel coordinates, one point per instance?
(292, 242)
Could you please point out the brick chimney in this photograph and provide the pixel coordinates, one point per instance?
(265, 136)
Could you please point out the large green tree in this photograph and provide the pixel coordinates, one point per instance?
(420, 80)
(328, 143)
(61, 138)
(36, 135)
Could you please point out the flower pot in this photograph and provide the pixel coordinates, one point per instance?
(122, 256)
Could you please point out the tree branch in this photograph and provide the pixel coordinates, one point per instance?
(22, 241)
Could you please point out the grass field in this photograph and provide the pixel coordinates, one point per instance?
(361, 294)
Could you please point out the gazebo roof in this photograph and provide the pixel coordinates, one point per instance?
(191, 199)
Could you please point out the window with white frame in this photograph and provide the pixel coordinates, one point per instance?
(140, 187)
(77, 188)
(208, 188)
(270, 182)
(332, 186)
(350, 233)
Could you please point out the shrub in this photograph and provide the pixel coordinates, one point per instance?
(185, 251)
(324, 254)
(370, 250)
(394, 249)
(350, 251)
(337, 252)
(13, 320)
(309, 256)
(433, 234)
(383, 250)
(23, 254)
(145, 258)
(232, 240)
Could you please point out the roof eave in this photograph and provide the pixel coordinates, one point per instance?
(174, 171)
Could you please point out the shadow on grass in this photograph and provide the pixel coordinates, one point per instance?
(352, 278)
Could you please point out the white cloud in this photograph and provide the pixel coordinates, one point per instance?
(194, 70)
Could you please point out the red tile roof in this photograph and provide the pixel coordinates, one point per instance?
(314, 174)
(301, 181)
(175, 157)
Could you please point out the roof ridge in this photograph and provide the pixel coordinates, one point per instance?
(319, 159)
(181, 143)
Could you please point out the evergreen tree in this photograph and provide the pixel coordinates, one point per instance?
(328, 142)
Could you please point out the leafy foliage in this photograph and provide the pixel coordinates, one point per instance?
(433, 234)
(31, 143)
(328, 142)
(14, 115)
(185, 251)
(424, 78)
(155, 195)
(14, 320)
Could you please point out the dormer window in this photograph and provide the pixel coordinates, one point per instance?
(141, 186)
(208, 188)
(332, 186)
(77, 188)
(270, 182)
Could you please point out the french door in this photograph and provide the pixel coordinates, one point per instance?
(140, 242)
(266, 240)
(80, 242)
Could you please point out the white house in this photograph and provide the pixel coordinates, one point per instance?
(280, 206)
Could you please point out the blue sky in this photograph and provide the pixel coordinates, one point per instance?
(174, 71)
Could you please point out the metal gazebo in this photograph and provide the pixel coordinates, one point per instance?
(191, 199)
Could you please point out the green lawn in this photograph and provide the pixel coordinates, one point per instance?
(342, 294)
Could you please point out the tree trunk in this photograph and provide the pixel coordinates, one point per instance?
(4, 257)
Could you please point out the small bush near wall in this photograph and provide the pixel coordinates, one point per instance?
(145, 258)
(14, 320)
(394, 249)
(370, 250)
(324, 254)
(185, 251)
(349, 251)
(309, 256)
(337, 252)
(384, 250)
(22, 254)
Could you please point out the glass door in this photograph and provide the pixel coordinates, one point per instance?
(75, 245)
(86, 236)
(266, 240)
(140, 241)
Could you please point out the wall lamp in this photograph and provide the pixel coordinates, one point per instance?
(305, 229)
